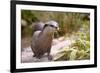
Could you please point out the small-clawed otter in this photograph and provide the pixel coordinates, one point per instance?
(42, 39)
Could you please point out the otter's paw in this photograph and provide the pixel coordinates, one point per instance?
(50, 57)
(34, 55)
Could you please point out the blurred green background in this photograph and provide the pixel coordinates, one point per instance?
(69, 22)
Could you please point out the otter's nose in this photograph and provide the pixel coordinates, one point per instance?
(57, 28)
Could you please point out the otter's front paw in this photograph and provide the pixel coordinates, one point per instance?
(50, 57)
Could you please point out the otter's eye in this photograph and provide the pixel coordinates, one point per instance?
(51, 25)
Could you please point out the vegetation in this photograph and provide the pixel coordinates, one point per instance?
(79, 50)
(68, 21)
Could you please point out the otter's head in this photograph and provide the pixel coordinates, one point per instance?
(51, 26)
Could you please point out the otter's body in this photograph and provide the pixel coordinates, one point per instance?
(42, 42)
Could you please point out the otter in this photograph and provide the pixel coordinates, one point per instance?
(42, 40)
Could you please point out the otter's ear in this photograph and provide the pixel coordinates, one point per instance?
(45, 26)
